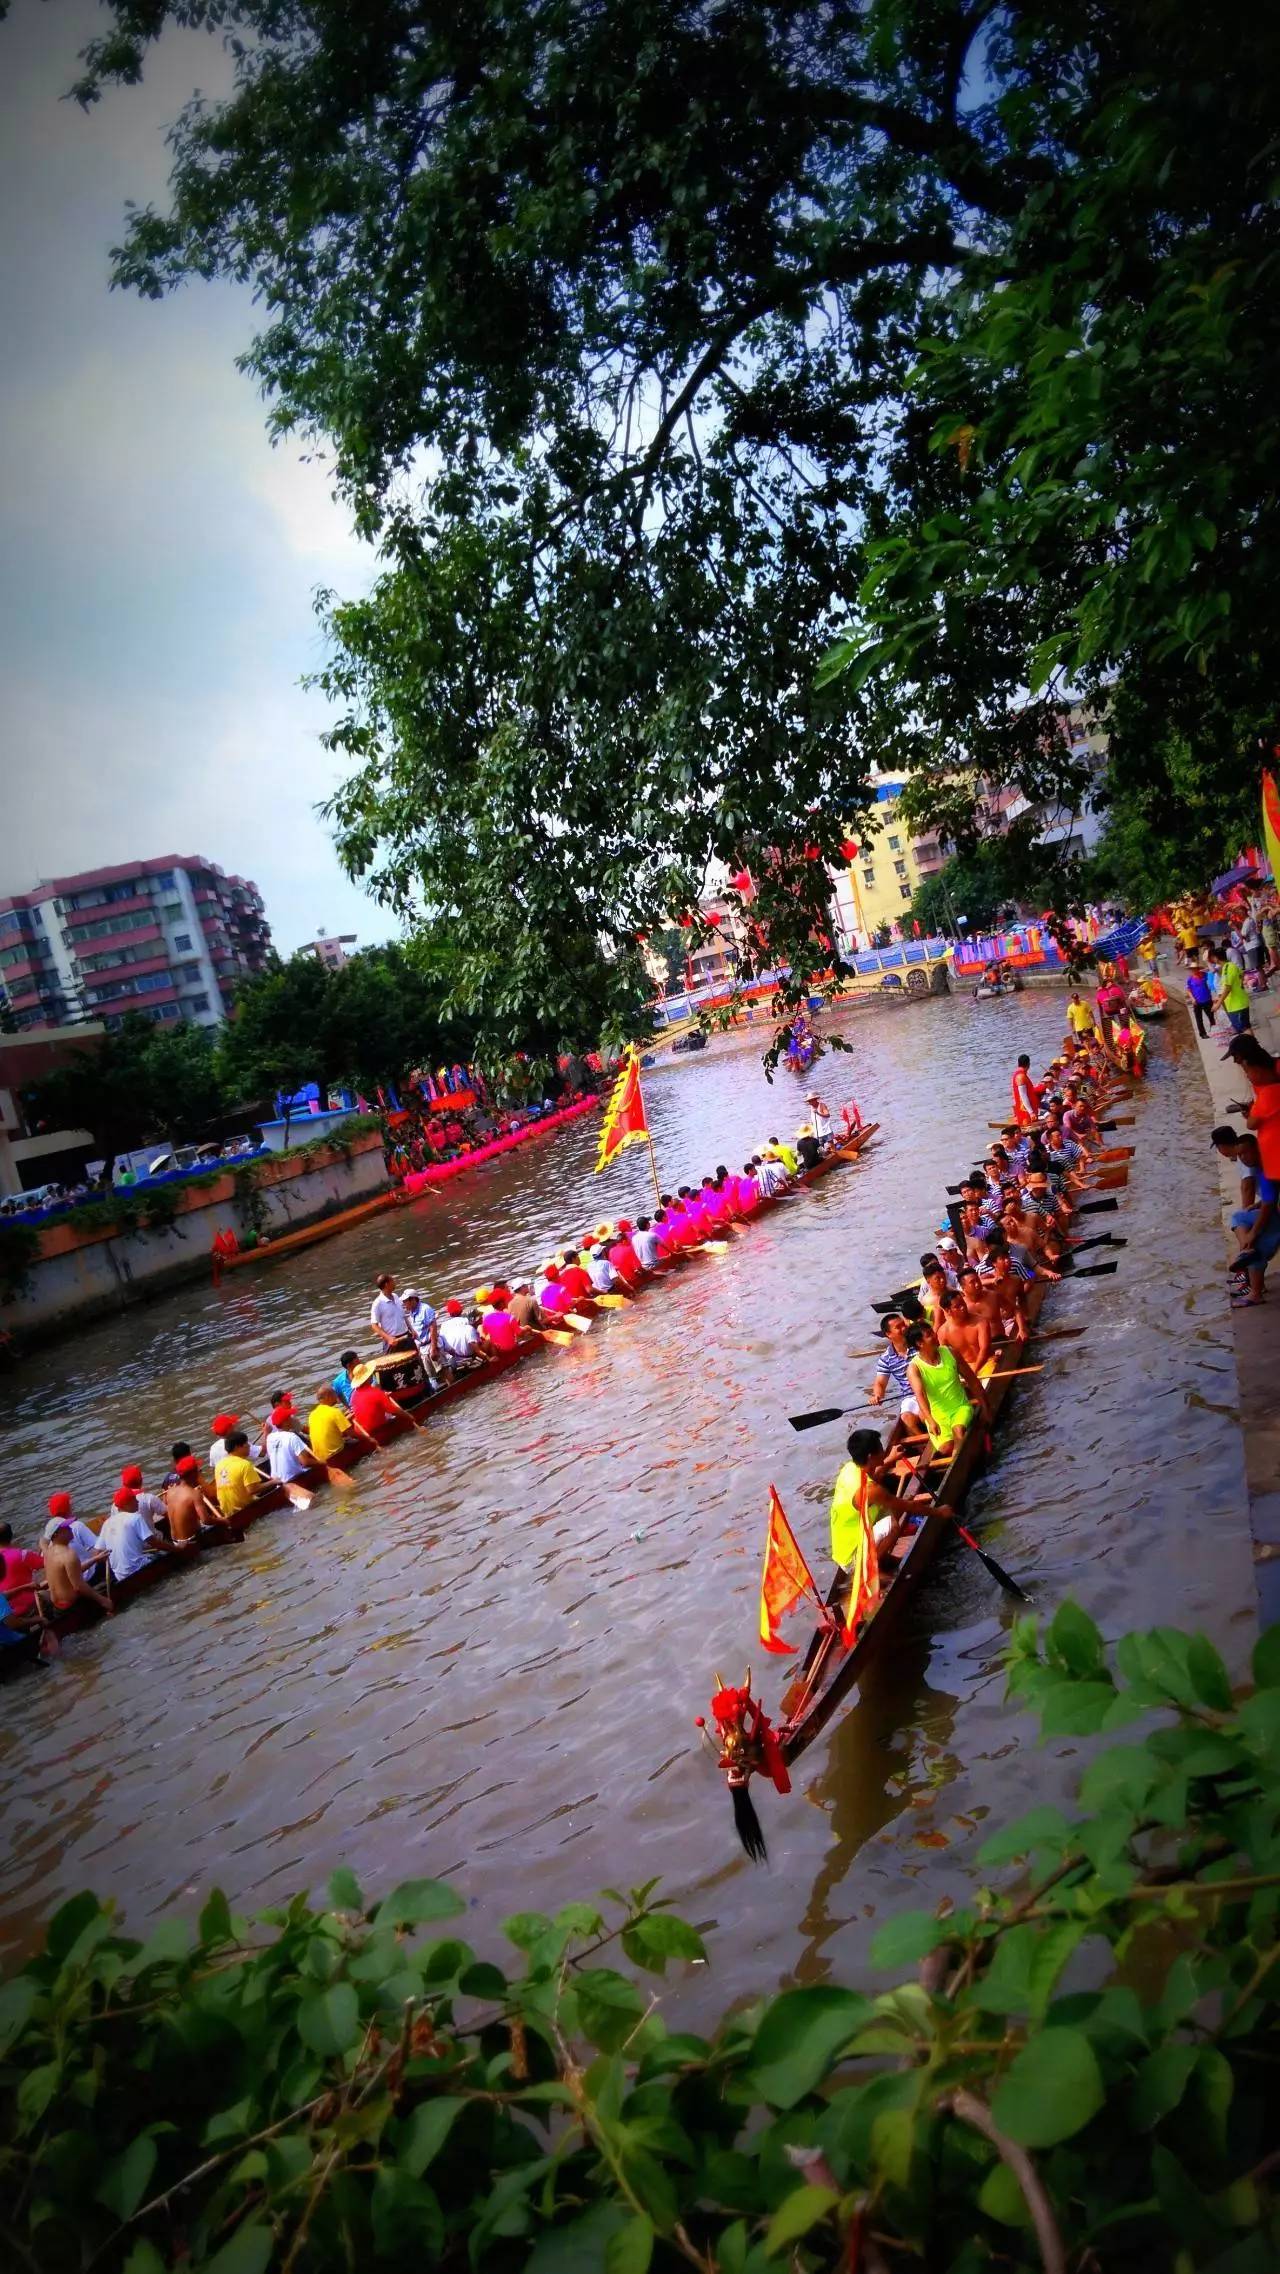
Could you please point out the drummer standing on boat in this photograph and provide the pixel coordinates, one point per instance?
(388, 1317)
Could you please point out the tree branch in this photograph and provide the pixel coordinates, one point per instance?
(977, 2115)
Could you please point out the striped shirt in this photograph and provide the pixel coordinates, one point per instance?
(894, 1364)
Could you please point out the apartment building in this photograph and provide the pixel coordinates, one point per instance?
(879, 884)
(167, 938)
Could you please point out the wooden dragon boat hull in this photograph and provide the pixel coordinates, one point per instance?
(417, 1402)
(832, 1670)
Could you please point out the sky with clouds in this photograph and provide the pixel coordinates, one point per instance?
(159, 557)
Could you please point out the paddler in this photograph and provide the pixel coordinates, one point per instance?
(553, 1295)
(525, 1308)
(329, 1425)
(623, 1256)
(371, 1404)
(87, 1544)
(19, 1569)
(1026, 1094)
(289, 1457)
(129, 1539)
(867, 1516)
(604, 1279)
(647, 1245)
(236, 1481)
(188, 1506)
(808, 1150)
(892, 1367)
(783, 1153)
(460, 1338)
(498, 1324)
(574, 1279)
(945, 1386)
(64, 1579)
(965, 1331)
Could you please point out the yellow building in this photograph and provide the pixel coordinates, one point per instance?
(878, 887)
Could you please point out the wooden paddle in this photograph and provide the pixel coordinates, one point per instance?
(554, 1334)
(576, 1320)
(611, 1302)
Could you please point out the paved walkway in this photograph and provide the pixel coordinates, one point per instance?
(1257, 1331)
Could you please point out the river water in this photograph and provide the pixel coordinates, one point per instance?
(485, 1661)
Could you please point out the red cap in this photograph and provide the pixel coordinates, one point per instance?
(282, 1414)
(222, 1422)
(131, 1479)
(123, 1499)
(551, 1274)
(188, 1466)
(624, 1226)
(59, 1504)
(453, 1307)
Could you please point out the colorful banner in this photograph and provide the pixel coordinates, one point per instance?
(785, 1579)
(624, 1116)
(1271, 824)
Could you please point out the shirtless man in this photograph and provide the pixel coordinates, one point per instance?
(64, 1577)
(187, 1504)
(966, 1332)
(1010, 1291)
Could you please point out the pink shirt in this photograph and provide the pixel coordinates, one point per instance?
(556, 1298)
(501, 1329)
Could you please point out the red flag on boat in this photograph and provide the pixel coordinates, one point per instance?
(785, 1579)
(624, 1116)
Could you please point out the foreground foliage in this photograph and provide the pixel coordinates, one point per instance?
(1077, 2072)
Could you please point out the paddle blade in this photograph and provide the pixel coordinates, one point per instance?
(1095, 1270)
(1096, 1207)
(747, 1824)
(817, 1420)
(997, 1570)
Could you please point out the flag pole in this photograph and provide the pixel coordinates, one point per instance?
(653, 1163)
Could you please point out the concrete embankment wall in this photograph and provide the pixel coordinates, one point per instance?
(85, 1273)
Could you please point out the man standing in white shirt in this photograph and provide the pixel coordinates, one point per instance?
(288, 1455)
(128, 1538)
(388, 1317)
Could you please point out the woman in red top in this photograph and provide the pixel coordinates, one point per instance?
(574, 1278)
(370, 1405)
(1262, 1073)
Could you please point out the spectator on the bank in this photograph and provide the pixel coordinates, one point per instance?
(1201, 995)
(1257, 1219)
(1233, 995)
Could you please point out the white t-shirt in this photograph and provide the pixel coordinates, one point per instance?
(152, 1506)
(603, 1275)
(458, 1337)
(124, 1536)
(648, 1249)
(87, 1544)
(389, 1313)
(288, 1455)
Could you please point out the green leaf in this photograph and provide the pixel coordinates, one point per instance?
(424, 2132)
(36, 2092)
(1039, 1828)
(248, 2252)
(215, 1918)
(1074, 1639)
(416, 1900)
(1160, 2083)
(1208, 1675)
(796, 2214)
(1266, 1659)
(800, 2037)
(483, 1981)
(1124, 1775)
(658, 1936)
(1005, 1986)
(329, 2021)
(609, 2007)
(144, 2258)
(1050, 2090)
(17, 1999)
(525, 1928)
(893, 2140)
(67, 1924)
(1054, 1947)
(630, 2250)
(909, 1937)
(1074, 1708)
(345, 1892)
(1002, 2199)
(167, 1945)
(408, 2224)
(126, 2178)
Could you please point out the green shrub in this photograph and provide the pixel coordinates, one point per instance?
(19, 1250)
(1076, 2068)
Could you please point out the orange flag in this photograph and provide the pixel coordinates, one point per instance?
(624, 1116)
(785, 1579)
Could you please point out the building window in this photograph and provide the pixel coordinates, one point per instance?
(168, 1011)
(165, 881)
(899, 868)
(895, 844)
(905, 890)
(198, 1003)
(182, 942)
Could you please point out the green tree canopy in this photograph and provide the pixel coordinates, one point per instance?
(659, 344)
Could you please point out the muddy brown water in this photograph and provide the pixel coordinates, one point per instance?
(485, 1661)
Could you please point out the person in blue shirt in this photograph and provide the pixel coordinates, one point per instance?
(342, 1379)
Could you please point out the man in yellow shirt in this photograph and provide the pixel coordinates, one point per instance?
(329, 1425)
(1079, 1014)
(1232, 992)
(235, 1479)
